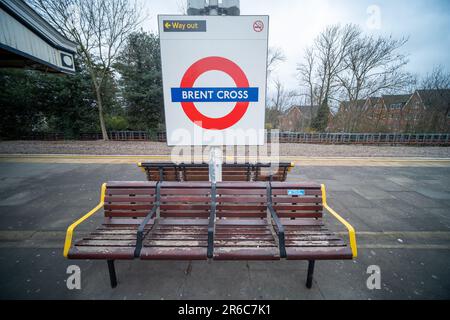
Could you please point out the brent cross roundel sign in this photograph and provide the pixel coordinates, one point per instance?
(214, 71)
(242, 95)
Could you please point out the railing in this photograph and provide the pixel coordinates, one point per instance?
(422, 139)
(365, 138)
(119, 136)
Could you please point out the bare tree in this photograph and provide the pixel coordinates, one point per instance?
(275, 104)
(282, 98)
(331, 49)
(100, 28)
(323, 62)
(275, 57)
(343, 64)
(307, 77)
(280, 101)
(435, 94)
(182, 6)
(438, 80)
(372, 66)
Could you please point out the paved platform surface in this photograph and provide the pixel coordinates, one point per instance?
(401, 215)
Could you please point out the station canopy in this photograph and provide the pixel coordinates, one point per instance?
(28, 41)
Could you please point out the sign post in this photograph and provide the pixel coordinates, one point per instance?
(215, 78)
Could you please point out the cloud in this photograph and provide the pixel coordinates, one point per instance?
(295, 23)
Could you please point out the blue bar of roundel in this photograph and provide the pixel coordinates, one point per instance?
(215, 94)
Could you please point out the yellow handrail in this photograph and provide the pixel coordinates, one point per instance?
(140, 166)
(351, 230)
(292, 166)
(69, 234)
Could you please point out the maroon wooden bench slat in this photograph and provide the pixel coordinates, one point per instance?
(176, 254)
(101, 253)
(244, 225)
(230, 172)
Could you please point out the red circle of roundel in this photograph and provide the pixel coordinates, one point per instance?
(215, 64)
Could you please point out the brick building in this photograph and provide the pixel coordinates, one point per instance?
(298, 118)
(422, 111)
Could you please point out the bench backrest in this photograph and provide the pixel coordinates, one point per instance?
(277, 173)
(167, 172)
(193, 199)
(129, 199)
(297, 200)
(195, 173)
(230, 172)
(185, 200)
(241, 200)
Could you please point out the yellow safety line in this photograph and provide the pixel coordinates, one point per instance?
(351, 230)
(69, 234)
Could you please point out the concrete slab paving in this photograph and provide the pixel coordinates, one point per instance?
(402, 216)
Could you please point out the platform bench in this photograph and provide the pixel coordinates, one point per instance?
(230, 172)
(212, 221)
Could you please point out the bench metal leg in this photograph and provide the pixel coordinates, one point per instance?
(309, 280)
(112, 273)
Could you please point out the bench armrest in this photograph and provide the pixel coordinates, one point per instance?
(140, 232)
(150, 216)
(292, 166)
(141, 167)
(70, 230)
(280, 227)
(351, 230)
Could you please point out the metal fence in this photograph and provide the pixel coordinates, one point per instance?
(365, 138)
(119, 136)
(283, 137)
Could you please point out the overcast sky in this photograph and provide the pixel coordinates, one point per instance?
(295, 23)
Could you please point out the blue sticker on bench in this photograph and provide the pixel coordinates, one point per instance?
(296, 192)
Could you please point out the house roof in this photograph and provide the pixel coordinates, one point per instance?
(306, 110)
(396, 99)
(359, 103)
(435, 98)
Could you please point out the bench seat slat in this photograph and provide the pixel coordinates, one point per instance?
(101, 253)
(106, 243)
(319, 253)
(174, 253)
(243, 243)
(244, 237)
(169, 224)
(224, 233)
(175, 243)
(188, 237)
(112, 237)
(314, 243)
(246, 253)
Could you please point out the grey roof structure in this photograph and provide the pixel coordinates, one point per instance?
(27, 40)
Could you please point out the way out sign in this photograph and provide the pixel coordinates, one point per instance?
(215, 76)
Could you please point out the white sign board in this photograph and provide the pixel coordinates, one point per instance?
(215, 77)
